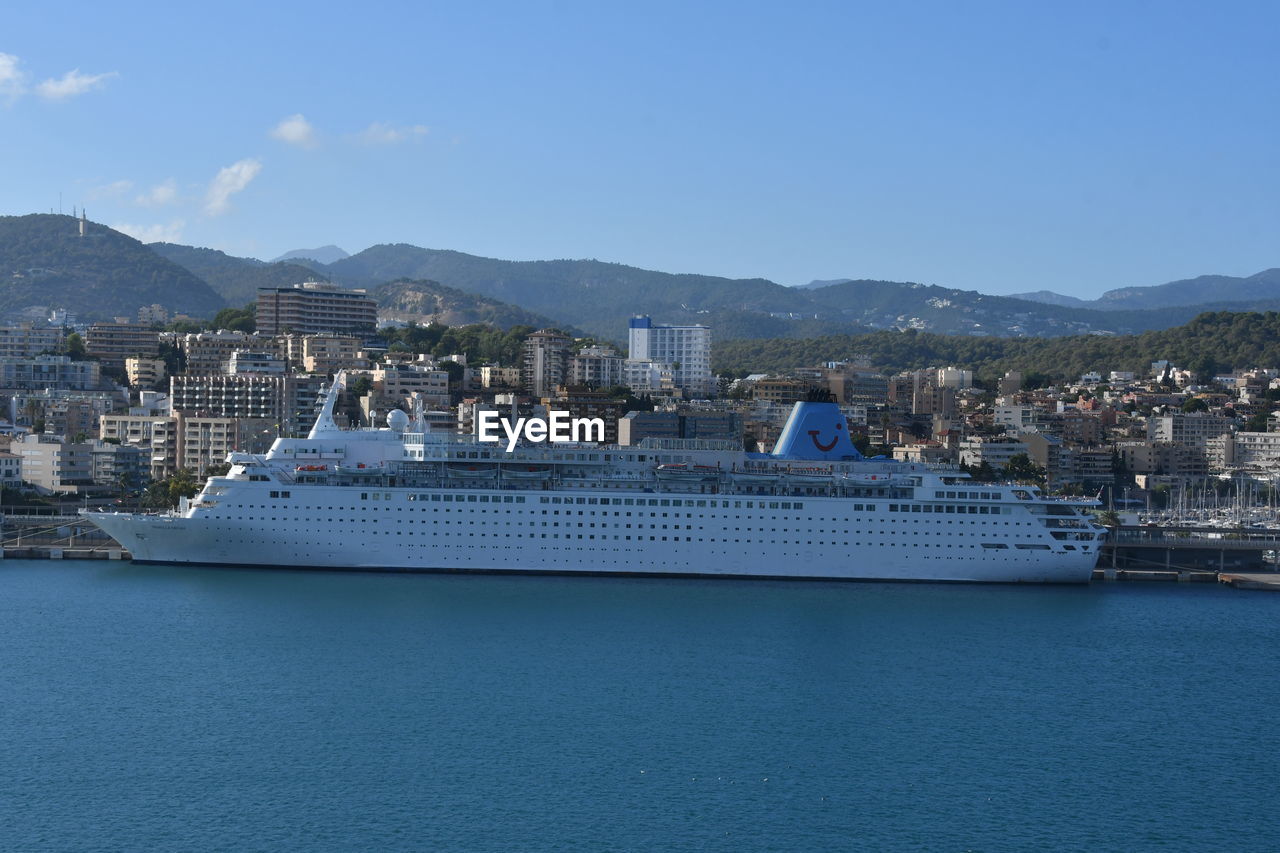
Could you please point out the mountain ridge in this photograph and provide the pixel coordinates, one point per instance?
(44, 261)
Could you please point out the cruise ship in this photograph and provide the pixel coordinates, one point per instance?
(405, 498)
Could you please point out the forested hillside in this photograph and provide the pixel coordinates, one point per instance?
(1210, 342)
(235, 279)
(44, 261)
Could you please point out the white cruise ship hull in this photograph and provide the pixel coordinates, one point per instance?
(395, 500)
(406, 530)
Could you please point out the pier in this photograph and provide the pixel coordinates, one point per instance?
(49, 533)
(1190, 549)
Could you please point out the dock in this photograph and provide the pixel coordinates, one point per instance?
(1190, 549)
(56, 536)
(1268, 581)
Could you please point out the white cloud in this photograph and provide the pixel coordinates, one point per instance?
(160, 194)
(381, 133)
(170, 233)
(71, 84)
(295, 130)
(229, 181)
(13, 80)
(115, 189)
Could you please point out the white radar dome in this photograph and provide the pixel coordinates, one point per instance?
(397, 420)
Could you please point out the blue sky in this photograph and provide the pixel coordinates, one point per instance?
(999, 147)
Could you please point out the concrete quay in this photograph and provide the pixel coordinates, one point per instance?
(1268, 581)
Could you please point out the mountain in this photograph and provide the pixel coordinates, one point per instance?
(323, 255)
(1048, 297)
(1258, 289)
(425, 302)
(599, 297)
(588, 294)
(235, 279)
(45, 262)
(820, 282)
(1209, 343)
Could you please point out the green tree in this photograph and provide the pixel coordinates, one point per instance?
(1257, 423)
(1022, 469)
(1195, 404)
(166, 493)
(74, 345)
(237, 319)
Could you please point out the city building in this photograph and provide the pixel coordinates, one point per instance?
(315, 307)
(28, 341)
(195, 442)
(599, 366)
(635, 427)
(687, 349)
(120, 467)
(209, 353)
(113, 342)
(399, 382)
(544, 362)
(144, 372)
(10, 470)
(1190, 429)
(245, 361)
(286, 401)
(49, 371)
(325, 354)
(51, 464)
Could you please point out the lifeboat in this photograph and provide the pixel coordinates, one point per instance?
(682, 471)
(471, 472)
(808, 476)
(751, 477)
(868, 479)
(526, 472)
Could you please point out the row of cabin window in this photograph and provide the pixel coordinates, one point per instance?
(960, 509)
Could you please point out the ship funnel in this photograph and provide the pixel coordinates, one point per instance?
(816, 430)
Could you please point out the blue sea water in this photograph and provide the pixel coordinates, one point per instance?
(146, 708)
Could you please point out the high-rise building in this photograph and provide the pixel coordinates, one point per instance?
(210, 352)
(545, 362)
(315, 307)
(112, 343)
(26, 340)
(286, 401)
(597, 366)
(687, 349)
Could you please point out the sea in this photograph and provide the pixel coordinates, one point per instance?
(149, 708)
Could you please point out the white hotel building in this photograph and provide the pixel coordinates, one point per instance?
(686, 348)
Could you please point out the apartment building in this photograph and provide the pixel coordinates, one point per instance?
(315, 307)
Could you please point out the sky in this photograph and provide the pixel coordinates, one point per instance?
(992, 146)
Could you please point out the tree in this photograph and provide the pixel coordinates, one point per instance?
(237, 319)
(75, 346)
(1022, 469)
(1195, 404)
(1257, 423)
(167, 493)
